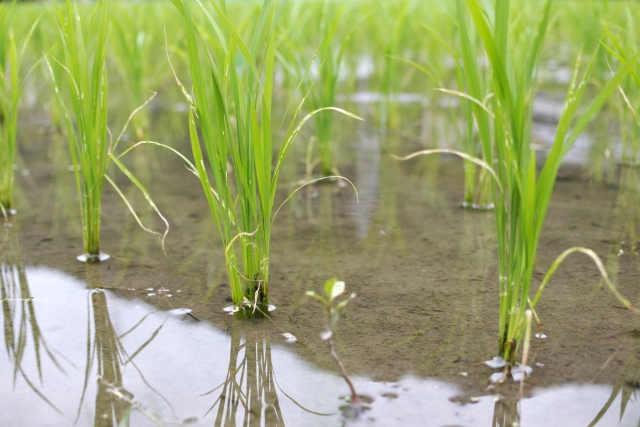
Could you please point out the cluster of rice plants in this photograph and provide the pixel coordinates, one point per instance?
(233, 108)
(91, 144)
(322, 92)
(521, 194)
(502, 111)
(12, 77)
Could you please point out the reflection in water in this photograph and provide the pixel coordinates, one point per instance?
(505, 412)
(625, 389)
(249, 391)
(367, 178)
(22, 333)
(107, 353)
(183, 358)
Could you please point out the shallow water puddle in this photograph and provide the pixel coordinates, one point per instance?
(187, 371)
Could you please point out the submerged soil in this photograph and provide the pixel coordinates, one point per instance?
(423, 268)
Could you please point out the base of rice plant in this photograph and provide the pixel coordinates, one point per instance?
(91, 258)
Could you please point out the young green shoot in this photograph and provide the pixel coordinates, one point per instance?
(332, 290)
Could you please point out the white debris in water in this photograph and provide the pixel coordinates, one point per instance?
(496, 363)
(149, 289)
(324, 336)
(180, 311)
(495, 377)
(290, 338)
(539, 365)
(540, 336)
(151, 294)
(516, 372)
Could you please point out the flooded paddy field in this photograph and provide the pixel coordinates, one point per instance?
(145, 335)
(320, 213)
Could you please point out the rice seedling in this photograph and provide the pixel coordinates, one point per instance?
(521, 198)
(624, 47)
(477, 186)
(389, 42)
(90, 141)
(11, 82)
(323, 90)
(136, 33)
(333, 289)
(521, 194)
(233, 106)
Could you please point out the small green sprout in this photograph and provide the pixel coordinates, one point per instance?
(334, 288)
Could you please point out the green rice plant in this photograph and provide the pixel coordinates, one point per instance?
(521, 194)
(232, 102)
(477, 186)
(333, 289)
(91, 144)
(624, 47)
(321, 86)
(388, 42)
(522, 198)
(136, 35)
(11, 82)
(323, 92)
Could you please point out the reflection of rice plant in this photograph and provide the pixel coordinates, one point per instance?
(250, 386)
(20, 325)
(90, 142)
(333, 289)
(233, 106)
(105, 350)
(11, 82)
(506, 412)
(626, 386)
